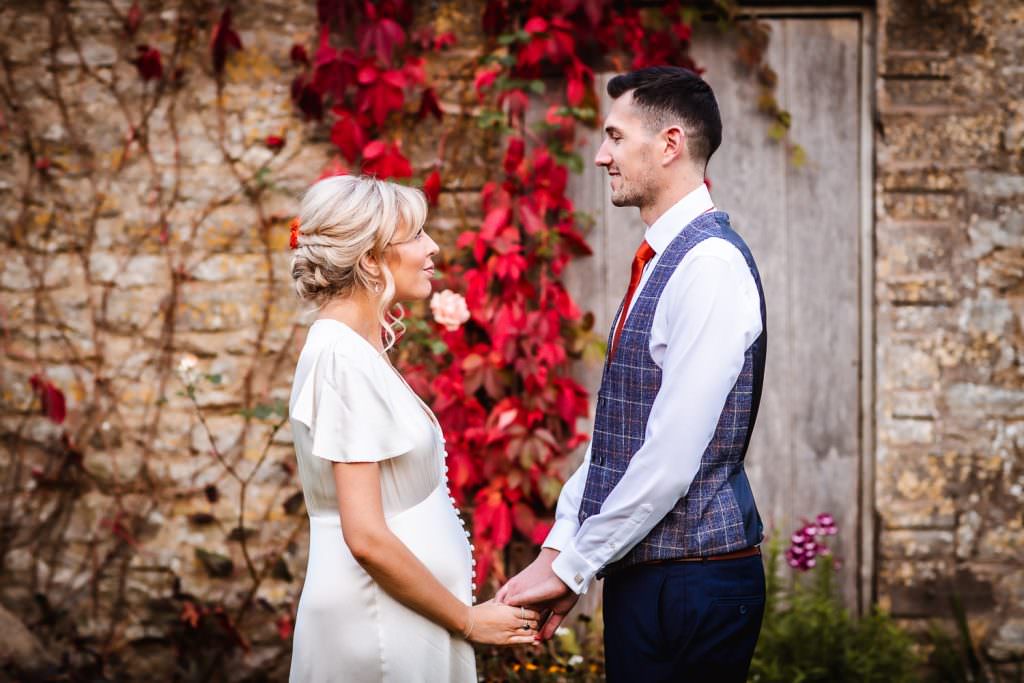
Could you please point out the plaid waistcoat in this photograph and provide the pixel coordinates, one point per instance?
(718, 514)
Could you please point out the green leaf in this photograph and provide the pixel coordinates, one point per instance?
(776, 131)
(798, 156)
(537, 86)
(218, 566)
(438, 347)
(215, 378)
(549, 490)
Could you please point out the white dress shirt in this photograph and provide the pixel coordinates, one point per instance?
(707, 317)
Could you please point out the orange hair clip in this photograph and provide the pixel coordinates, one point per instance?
(294, 241)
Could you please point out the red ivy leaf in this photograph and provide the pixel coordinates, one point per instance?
(484, 80)
(445, 40)
(299, 55)
(429, 105)
(133, 18)
(347, 135)
(149, 63)
(223, 40)
(432, 187)
(385, 160)
(275, 142)
(50, 397)
(536, 25)
(495, 17)
(190, 615)
(307, 99)
(380, 37)
(381, 94)
(514, 154)
(284, 627)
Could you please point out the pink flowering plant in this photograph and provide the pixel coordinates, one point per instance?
(809, 542)
(808, 634)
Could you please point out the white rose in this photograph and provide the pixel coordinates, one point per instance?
(449, 309)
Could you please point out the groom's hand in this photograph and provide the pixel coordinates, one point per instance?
(537, 571)
(539, 587)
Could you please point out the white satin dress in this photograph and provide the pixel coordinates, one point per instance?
(348, 404)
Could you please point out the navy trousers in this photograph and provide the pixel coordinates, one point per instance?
(685, 621)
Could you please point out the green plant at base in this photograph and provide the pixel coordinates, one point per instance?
(808, 636)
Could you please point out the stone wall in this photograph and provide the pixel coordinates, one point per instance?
(121, 251)
(144, 221)
(950, 305)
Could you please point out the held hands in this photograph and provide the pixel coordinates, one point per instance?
(539, 586)
(496, 624)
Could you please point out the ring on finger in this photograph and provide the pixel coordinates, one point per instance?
(522, 612)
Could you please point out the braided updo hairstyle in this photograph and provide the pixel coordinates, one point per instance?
(342, 219)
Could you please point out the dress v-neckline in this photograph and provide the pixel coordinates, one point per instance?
(380, 356)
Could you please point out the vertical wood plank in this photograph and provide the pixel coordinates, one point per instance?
(822, 82)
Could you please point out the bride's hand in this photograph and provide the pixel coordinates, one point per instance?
(496, 624)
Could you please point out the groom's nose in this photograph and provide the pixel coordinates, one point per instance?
(603, 158)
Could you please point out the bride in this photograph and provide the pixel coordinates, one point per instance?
(388, 586)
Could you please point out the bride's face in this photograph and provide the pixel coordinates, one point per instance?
(411, 261)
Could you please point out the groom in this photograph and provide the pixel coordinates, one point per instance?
(661, 506)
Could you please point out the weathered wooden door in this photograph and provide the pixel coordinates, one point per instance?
(809, 230)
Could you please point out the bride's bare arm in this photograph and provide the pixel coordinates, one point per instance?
(399, 572)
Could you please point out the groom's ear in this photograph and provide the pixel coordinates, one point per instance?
(673, 144)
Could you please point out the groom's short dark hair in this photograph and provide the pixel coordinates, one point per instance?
(670, 94)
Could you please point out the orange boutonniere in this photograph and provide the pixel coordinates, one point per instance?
(294, 241)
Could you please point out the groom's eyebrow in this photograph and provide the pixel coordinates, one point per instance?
(612, 129)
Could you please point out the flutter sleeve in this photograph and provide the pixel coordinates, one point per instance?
(349, 413)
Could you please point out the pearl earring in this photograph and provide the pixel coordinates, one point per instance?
(377, 287)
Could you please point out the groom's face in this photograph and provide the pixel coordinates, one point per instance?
(626, 153)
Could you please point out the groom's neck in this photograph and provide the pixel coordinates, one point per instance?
(678, 187)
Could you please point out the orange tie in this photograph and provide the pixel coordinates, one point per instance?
(644, 253)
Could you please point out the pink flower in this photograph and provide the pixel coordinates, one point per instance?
(808, 542)
(449, 309)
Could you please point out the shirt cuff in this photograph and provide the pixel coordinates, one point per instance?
(562, 532)
(574, 571)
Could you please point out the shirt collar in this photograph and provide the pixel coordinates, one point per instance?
(681, 214)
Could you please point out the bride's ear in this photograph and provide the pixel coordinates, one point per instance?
(371, 265)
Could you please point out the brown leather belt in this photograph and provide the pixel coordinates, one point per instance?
(752, 551)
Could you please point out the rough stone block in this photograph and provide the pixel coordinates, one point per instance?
(903, 366)
(908, 249)
(944, 140)
(913, 404)
(907, 206)
(926, 289)
(994, 402)
(912, 431)
(130, 270)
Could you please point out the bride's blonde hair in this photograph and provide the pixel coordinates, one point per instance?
(343, 219)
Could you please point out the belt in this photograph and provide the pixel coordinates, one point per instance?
(752, 551)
